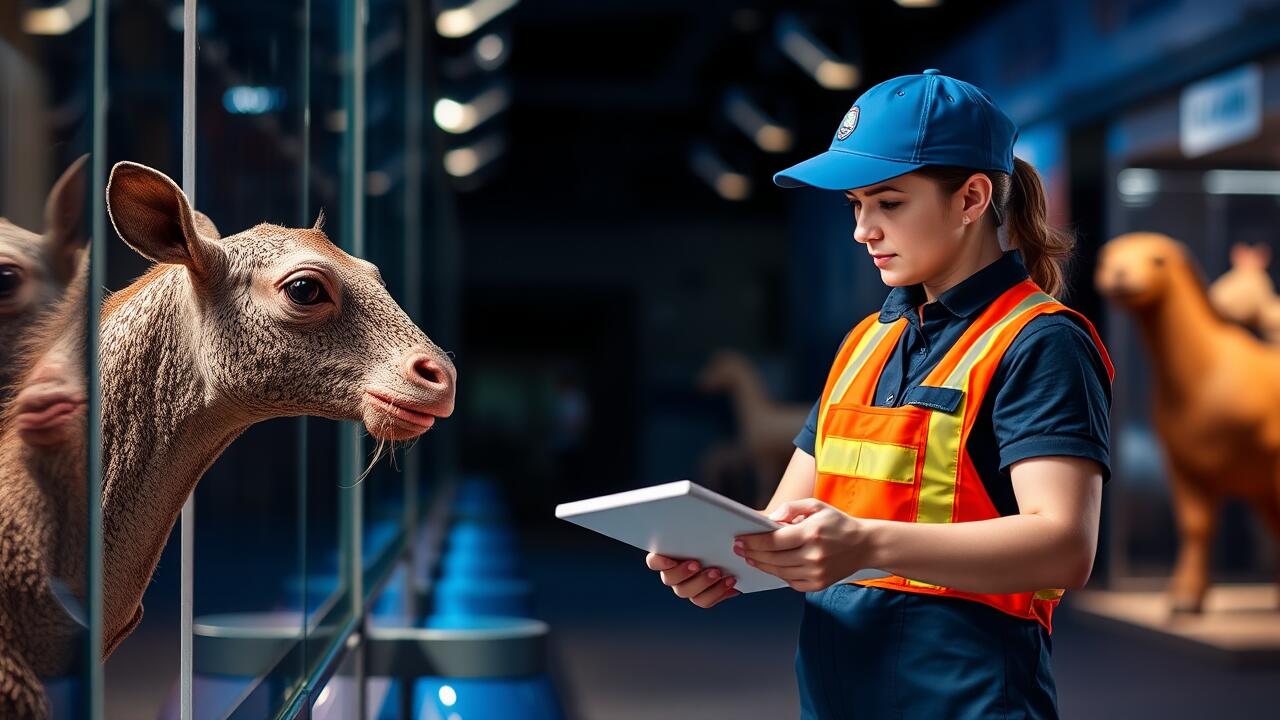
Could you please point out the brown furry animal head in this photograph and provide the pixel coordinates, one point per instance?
(279, 321)
(49, 409)
(35, 269)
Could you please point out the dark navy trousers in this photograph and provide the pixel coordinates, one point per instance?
(871, 654)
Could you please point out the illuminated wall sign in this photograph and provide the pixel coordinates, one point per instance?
(1221, 111)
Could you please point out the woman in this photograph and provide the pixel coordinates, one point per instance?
(961, 441)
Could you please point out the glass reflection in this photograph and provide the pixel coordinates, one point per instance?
(385, 202)
(45, 83)
(43, 499)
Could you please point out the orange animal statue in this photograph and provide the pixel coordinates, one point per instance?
(765, 427)
(1215, 397)
(1269, 321)
(1245, 294)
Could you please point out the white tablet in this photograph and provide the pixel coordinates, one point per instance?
(683, 520)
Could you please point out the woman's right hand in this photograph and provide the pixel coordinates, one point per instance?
(704, 587)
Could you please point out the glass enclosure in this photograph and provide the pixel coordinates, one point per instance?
(279, 117)
(49, 166)
(1211, 201)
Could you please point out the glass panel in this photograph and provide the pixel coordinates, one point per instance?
(286, 545)
(1209, 206)
(144, 123)
(46, 218)
(251, 582)
(328, 597)
(384, 487)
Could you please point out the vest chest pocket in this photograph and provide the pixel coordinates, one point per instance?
(874, 443)
(885, 444)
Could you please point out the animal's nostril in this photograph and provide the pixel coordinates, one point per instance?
(427, 370)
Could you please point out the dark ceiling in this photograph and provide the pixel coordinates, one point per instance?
(609, 96)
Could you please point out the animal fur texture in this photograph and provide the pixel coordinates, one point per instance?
(42, 499)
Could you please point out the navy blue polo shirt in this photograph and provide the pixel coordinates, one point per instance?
(1050, 394)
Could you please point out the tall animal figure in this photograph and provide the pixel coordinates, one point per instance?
(766, 427)
(35, 269)
(1245, 294)
(1215, 397)
(217, 336)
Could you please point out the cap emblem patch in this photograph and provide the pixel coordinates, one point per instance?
(848, 124)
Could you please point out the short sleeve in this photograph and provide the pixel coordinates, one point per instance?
(1054, 395)
(807, 438)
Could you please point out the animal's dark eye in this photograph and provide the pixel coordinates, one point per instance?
(10, 280)
(306, 291)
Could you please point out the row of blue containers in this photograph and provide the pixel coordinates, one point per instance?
(478, 591)
(479, 588)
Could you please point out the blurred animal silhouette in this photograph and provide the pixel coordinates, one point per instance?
(766, 428)
(35, 269)
(1269, 322)
(1215, 398)
(220, 334)
(1245, 294)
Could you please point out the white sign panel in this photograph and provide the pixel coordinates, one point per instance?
(1221, 111)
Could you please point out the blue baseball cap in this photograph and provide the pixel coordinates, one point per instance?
(904, 124)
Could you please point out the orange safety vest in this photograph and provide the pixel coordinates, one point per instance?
(910, 463)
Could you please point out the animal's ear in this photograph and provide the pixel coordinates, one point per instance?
(205, 226)
(64, 233)
(1240, 254)
(151, 213)
(1253, 257)
(1262, 254)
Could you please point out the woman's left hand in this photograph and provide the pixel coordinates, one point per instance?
(817, 547)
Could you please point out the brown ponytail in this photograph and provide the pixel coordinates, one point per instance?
(1046, 250)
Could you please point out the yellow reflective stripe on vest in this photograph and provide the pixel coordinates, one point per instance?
(942, 450)
(937, 497)
(867, 459)
(959, 377)
(866, 344)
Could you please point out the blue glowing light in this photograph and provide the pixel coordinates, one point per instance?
(251, 100)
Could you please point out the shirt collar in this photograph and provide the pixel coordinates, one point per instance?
(968, 296)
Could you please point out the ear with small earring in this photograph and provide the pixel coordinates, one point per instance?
(966, 219)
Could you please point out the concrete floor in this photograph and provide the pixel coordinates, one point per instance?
(625, 647)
